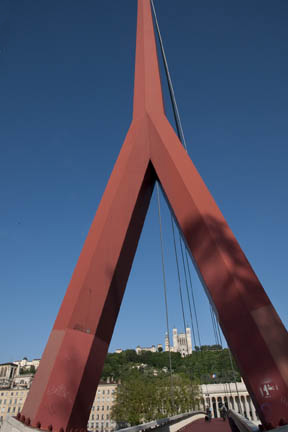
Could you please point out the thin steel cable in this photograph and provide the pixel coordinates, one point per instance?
(181, 137)
(235, 381)
(187, 289)
(180, 131)
(179, 128)
(231, 362)
(219, 343)
(179, 278)
(218, 331)
(197, 323)
(165, 293)
(213, 324)
(193, 300)
(181, 294)
(230, 391)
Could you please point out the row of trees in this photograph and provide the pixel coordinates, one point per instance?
(142, 397)
(147, 391)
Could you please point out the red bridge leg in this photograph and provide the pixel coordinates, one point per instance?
(64, 387)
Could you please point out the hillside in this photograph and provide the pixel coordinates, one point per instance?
(200, 366)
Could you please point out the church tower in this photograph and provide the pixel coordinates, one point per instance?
(189, 340)
(166, 342)
(175, 340)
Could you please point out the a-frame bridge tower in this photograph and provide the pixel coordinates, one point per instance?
(62, 393)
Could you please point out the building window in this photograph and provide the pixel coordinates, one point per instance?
(8, 409)
(13, 410)
(103, 407)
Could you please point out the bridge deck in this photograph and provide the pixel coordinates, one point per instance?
(216, 425)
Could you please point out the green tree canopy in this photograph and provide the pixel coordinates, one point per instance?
(142, 397)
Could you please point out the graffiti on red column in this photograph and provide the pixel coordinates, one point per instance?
(267, 389)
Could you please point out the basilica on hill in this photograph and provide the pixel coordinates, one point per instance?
(182, 342)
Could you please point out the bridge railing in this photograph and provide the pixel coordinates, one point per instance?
(239, 423)
(161, 423)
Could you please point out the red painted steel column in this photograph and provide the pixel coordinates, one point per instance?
(64, 387)
(254, 332)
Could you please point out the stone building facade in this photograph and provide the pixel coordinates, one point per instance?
(16, 375)
(100, 416)
(16, 380)
(182, 342)
(234, 396)
(153, 349)
(12, 401)
(7, 373)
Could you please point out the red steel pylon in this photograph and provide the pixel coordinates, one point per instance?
(63, 391)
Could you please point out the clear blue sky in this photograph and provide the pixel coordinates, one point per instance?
(66, 87)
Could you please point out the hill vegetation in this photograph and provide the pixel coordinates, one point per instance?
(200, 366)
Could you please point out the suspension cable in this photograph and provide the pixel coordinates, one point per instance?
(235, 381)
(181, 137)
(213, 324)
(165, 294)
(179, 279)
(180, 131)
(218, 331)
(187, 290)
(193, 300)
(218, 341)
(177, 118)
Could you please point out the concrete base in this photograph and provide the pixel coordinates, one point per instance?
(11, 424)
(181, 424)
